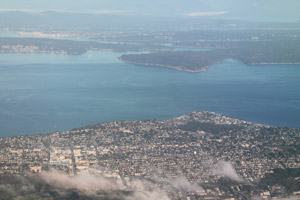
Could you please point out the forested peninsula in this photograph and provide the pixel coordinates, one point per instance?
(248, 52)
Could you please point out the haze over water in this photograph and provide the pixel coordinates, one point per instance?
(46, 93)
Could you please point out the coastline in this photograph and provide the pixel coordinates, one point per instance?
(202, 69)
(181, 117)
(178, 68)
(275, 63)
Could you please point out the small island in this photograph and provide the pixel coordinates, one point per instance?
(189, 61)
(250, 53)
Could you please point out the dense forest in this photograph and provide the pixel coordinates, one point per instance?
(248, 52)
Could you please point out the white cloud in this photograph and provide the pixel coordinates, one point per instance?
(91, 184)
(19, 10)
(181, 183)
(203, 14)
(143, 191)
(226, 169)
(107, 11)
(84, 182)
(67, 11)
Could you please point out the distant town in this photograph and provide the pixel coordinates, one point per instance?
(217, 156)
(191, 51)
(69, 47)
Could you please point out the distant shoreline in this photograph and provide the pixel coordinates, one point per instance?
(202, 69)
(275, 64)
(178, 68)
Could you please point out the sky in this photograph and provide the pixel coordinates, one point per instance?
(254, 10)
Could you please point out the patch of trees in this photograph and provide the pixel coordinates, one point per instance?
(248, 52)
(283, 177)
(217, 129)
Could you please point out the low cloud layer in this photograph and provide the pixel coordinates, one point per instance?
(57, 185)
(227, 170)
(206, 14)
(66, 11)
(86, 183)
(140, 189)
(183, 184)
(180, 183)
(91, 184)
(143, 190)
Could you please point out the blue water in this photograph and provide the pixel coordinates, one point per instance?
(42, 93)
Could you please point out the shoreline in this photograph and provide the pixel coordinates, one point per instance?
(275, 63)
(202, 69)
(178, 68)
(173, 118)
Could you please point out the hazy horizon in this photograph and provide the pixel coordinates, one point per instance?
(249, 10)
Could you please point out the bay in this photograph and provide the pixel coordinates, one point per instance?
(42, 93)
